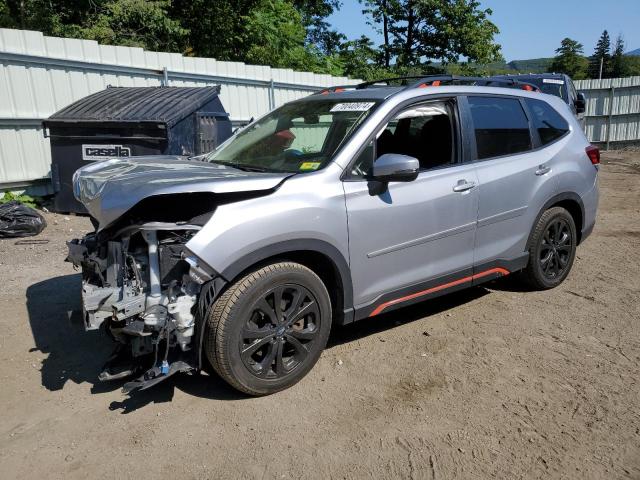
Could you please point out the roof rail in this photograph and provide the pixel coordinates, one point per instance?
(335, 89)
(422, 81)
(402, 81)
(437, 80)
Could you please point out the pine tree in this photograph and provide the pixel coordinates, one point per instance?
(569, 59)
(601, 55)
(618, 61)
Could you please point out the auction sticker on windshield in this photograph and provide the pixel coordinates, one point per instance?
(352, 107)
(553, 80)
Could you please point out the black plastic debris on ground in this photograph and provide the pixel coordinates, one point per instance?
(18, 220)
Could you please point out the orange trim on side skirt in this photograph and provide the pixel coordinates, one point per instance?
(381, 307)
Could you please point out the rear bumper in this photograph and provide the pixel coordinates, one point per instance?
(590, 201)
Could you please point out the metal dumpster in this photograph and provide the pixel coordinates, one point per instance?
(131, 121)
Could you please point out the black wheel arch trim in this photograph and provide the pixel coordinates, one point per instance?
(219, 283)
(552, 201)
(296, 245)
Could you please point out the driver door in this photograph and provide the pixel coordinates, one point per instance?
(412, 236)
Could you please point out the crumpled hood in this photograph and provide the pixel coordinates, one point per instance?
(111, 187)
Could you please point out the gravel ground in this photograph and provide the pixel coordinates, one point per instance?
(489, 382)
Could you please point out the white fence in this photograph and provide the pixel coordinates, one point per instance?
(40, 75)
(613, 110)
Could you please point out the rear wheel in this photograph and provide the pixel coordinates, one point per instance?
(552, 249)
(269, 328)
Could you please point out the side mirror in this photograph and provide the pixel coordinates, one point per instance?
(580, 103)
(393, 167)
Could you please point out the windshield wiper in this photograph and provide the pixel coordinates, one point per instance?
(247, 167)
(252, 168)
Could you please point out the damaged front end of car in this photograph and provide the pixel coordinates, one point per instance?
(140, 282)
(138, 287)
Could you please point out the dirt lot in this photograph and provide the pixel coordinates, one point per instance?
(491, 382)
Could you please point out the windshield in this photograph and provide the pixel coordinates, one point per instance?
(551, 86)
(297, 137)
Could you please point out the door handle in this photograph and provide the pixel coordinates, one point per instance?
(463, 186)
(542, 170)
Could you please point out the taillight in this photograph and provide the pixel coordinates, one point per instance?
(594, 154)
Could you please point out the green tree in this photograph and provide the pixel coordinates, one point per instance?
(418, 32)
(136, 23)
(6, 18)
(216, 28)
(277, 38)
(601, 58)
(319, 34)
(379, 12)
(632, 64)
(46, 17)
(116, 22)
(282, 33)
(569, 59)
(619, 65)
(361, 59)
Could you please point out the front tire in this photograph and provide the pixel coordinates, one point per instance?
(552, 249)
(269, 328)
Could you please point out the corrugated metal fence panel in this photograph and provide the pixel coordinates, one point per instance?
(613, 109)
(40, 75)
(606, 83)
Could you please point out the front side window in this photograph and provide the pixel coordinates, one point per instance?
(500, 125)
(549, 123)
(423, 131)
(297, 137)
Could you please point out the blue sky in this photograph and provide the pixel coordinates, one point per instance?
(533, 28)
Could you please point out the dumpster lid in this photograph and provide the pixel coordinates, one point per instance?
(166, 105)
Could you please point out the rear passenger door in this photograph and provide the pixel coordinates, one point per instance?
(514, 173)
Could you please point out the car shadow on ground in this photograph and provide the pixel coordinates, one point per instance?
(55, 317)
(74, 355)
(511, 283)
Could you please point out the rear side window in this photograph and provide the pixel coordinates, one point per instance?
(501, 126)
(547, 121)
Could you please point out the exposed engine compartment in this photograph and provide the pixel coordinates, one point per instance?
(139, 282)
(142, 287)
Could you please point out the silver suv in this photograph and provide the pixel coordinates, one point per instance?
(338, 207)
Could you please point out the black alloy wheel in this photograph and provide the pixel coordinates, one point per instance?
(280, 330)
(556, 248)
(552, 249)
(268, 329)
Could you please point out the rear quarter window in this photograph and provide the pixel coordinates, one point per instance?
(501, 126)
(549, 123)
